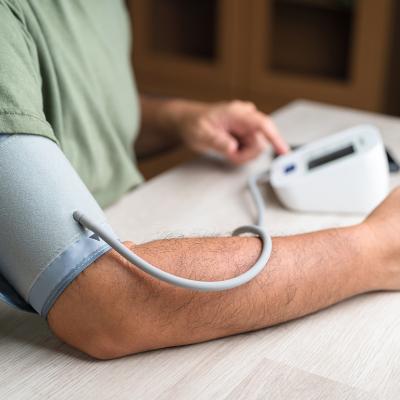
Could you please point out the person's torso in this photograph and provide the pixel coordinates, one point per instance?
(89, 95)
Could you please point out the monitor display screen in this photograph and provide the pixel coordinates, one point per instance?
(327, 158)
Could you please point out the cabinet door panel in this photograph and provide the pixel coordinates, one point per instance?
(184, 45)
(322, 50)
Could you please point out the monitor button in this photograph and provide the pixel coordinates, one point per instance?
(289, 168)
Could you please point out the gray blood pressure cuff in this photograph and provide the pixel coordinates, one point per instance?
(42, 248)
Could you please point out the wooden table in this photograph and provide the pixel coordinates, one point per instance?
(349, 351)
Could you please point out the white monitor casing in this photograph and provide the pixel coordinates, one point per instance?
(354, 183)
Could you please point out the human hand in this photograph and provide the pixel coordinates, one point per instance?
(237, 130)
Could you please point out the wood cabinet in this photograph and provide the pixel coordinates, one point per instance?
(268, 51)
(185, 48)
(331, 51)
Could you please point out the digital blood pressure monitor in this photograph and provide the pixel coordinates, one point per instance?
(345, 172)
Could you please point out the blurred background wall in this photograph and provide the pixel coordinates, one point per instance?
(344, 52)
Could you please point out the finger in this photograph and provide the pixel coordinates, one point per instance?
(250, 150)
(221, 141)
(246, 120)
(263, 123)
(272, 134)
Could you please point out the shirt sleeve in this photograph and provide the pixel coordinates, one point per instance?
(21, 102)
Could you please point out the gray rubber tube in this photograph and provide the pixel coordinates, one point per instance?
(206, 286)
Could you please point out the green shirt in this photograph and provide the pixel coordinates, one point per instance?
(65, 73)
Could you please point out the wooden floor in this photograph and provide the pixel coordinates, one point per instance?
(349, 351)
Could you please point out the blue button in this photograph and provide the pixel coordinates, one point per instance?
(289, 168)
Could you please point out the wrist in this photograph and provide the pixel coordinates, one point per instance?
(178, 114)
(360, 258)
(168, 118)
(381, 266)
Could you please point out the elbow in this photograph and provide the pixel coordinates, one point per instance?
(93, 338)
(89, 314)
(103, 348)
(99, 348)
(99, 340)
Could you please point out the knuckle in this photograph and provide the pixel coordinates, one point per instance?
(235, 104)
(250, 105)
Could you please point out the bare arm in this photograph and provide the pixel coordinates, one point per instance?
(158, 130)
(113, 309)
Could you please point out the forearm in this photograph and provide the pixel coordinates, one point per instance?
(305, 273)
(161, 120)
